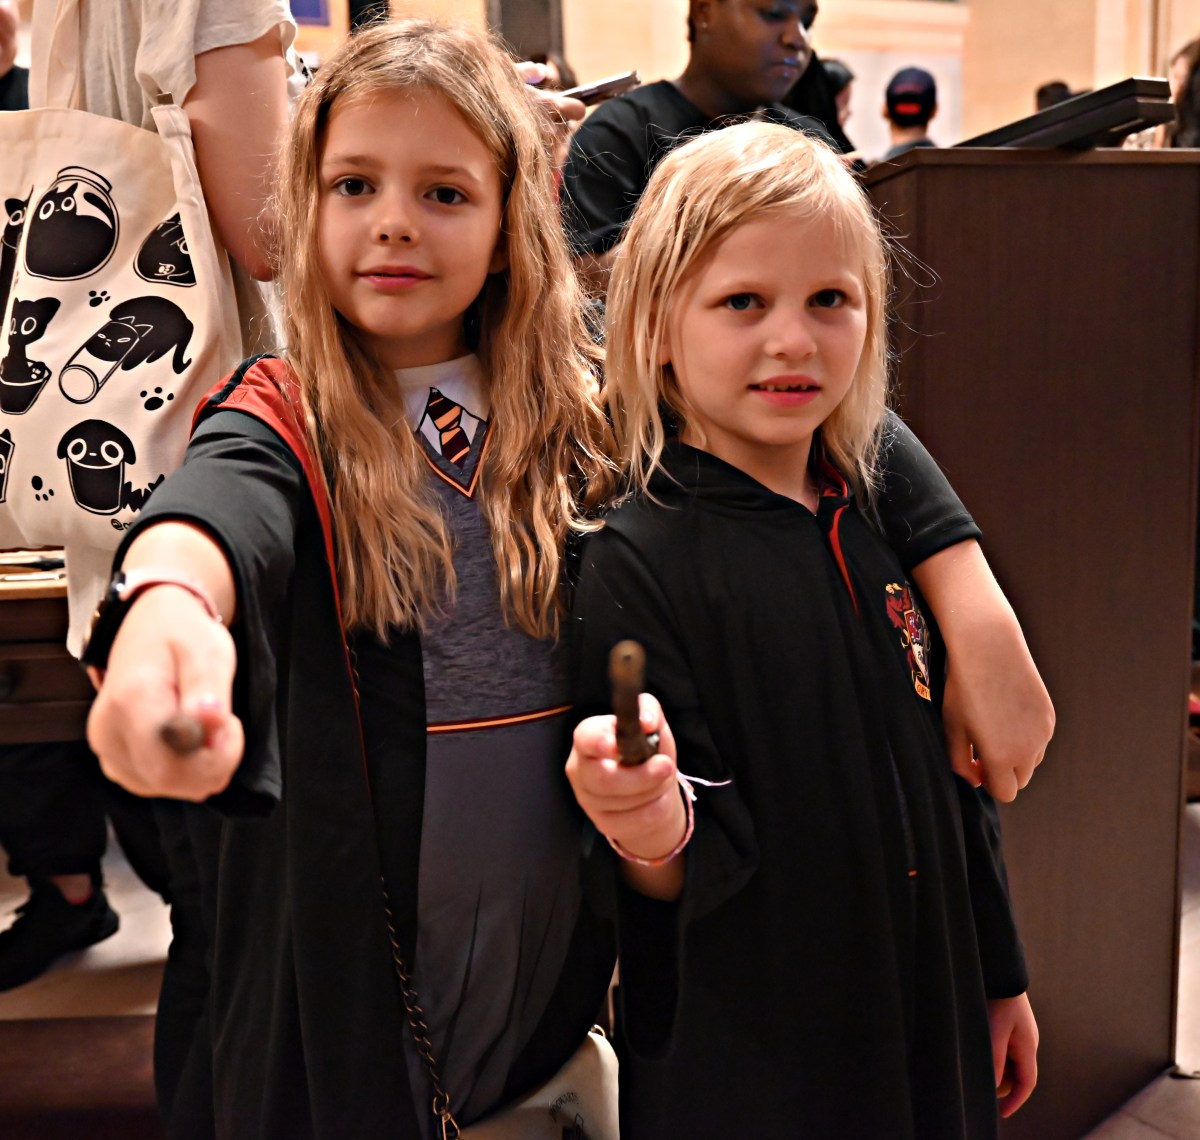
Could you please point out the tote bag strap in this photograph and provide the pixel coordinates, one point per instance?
(62, 60)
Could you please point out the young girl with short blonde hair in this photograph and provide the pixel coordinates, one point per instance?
(777, 175)
(814, 925)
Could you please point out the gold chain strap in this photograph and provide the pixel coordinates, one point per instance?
(420, 1030)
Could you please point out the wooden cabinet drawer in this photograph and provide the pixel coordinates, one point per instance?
(44, 694)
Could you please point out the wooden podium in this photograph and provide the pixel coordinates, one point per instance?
(1049, 325)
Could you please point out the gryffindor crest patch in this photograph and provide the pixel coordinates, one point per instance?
(914, 634)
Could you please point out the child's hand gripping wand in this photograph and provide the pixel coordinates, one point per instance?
(627, 672)
(183, 734)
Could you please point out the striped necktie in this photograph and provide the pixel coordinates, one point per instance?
(446, 416)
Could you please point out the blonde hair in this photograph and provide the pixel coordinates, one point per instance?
(700, 193)
(548, 460)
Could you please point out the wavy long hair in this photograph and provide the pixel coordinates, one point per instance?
(700, 193)
(549, 452)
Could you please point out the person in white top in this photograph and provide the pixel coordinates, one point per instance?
(229, 64)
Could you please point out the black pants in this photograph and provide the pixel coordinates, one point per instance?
(53, 802)
(51, 809)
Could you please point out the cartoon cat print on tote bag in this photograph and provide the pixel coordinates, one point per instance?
(74, 227)
(14, 213)
(22, 379)
(138, 331)
(164, 258)
(6, 451)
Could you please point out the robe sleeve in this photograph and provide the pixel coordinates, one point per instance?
(617, 598)
(917, 508)
(1000, 951)
(240, 483)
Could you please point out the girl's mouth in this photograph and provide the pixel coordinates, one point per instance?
(404, 272)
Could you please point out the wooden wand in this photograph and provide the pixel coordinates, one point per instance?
(183, 734)
(627, 672)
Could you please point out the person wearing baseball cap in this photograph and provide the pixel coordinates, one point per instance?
(911, 102)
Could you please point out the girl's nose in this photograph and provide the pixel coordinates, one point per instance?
(789, 337)
(394, 221)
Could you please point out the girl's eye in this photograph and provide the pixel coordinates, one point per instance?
(447, 195)
(829, 299)
(351, 187)
(742, 302)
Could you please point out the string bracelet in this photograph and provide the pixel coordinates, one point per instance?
(689, 796)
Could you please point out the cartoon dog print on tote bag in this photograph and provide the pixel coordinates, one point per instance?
(138, 331)
(97, 454)
(73, 229)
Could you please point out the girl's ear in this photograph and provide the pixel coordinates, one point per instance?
(499, 260)
(665, 351)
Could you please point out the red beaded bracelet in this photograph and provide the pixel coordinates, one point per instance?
(688, 796)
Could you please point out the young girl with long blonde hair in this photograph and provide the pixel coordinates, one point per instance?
(380, 524)
(813, 917)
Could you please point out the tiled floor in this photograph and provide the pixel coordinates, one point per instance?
(121, 975)
(1170, 1108)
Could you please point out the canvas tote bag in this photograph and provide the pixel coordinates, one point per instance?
(578, 1103)
(119, 312)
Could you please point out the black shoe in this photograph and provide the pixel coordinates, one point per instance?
(47, 927)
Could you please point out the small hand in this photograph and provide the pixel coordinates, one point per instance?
(639, 807)
(168, 657)
(1014, 1050)
(560, 113)
(995, 698)
(998, 720)
(556, 107)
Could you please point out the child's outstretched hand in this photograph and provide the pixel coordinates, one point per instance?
(169, 657)
(1014, 1050)
(640, 808)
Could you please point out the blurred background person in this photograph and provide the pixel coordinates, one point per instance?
(909, 104)
(743, 58)
(1048, 94)
(816, 92)
(53, 799)
(1185, 93)
(14, 80)
(841, 86)
(229, 64)
(1184, 129)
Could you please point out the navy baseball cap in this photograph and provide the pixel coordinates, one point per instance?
(911, 97)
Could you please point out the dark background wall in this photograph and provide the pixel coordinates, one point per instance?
(529, 25)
